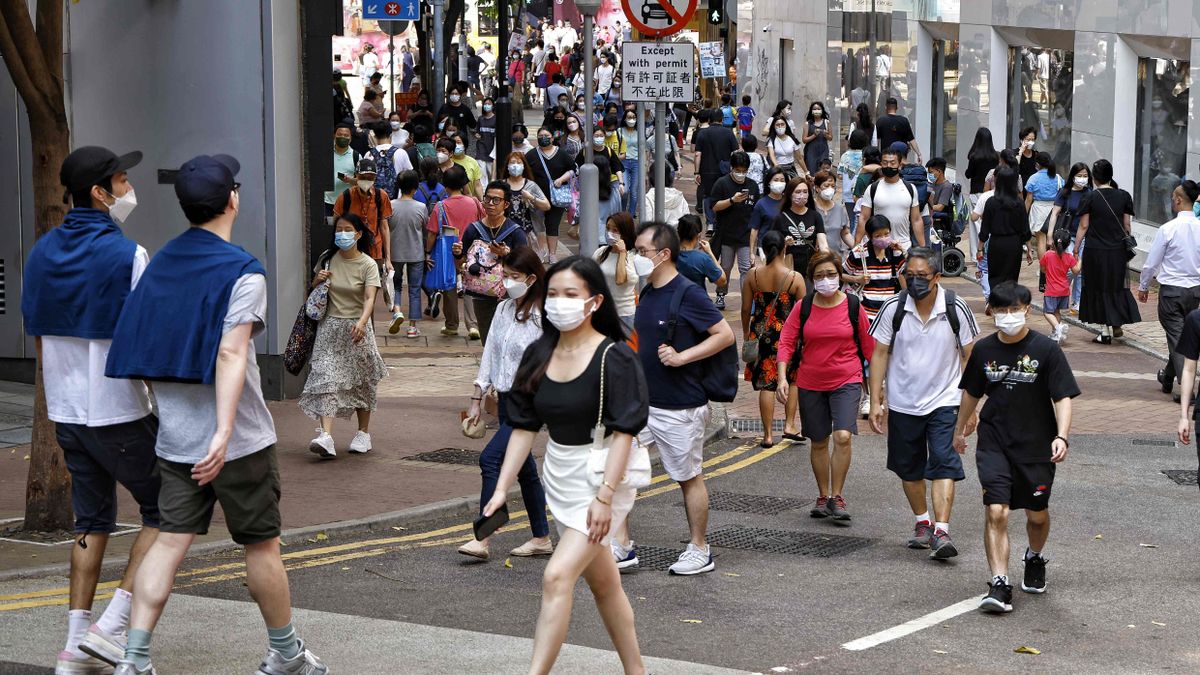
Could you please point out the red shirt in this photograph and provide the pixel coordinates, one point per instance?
(829, 359)
(552, 67)
(461, 211)
(1056, 267)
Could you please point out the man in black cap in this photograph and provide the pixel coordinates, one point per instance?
(217, 439)
(76, 281)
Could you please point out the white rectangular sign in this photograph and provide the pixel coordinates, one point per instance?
(712, 60)
(658, 71)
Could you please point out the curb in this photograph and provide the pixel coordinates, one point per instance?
(457, 507)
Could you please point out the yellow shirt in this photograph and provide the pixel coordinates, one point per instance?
(348, 281)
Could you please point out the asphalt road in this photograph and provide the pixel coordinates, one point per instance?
(1121, 585)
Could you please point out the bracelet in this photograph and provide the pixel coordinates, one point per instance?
(1064, 440)
(603, 501)
(609, 486)
(473, 398)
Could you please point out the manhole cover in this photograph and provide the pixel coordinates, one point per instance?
(789, 542)
(448, 456)
(657, 558)
(747, 425)
(1151, 441)
(1181, 476)
(761, 504)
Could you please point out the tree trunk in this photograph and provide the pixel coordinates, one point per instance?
(48, 487)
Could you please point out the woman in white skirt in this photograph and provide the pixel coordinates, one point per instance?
(346, 365)
(580, 354)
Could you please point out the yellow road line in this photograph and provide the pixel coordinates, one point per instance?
(331, 555)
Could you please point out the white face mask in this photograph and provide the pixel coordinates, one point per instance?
(1010, 324)
(1081, 181)
(739, 176)
(515, 289)
(395, 126)
(780, 130)
(777, 187)
(610, 238)
(643, 266)
(366, 185)
(827, 194)
(516, 169)
(826, 287)
(123, 206)
(566, 314)
(443, 158)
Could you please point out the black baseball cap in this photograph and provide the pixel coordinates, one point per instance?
(91, 164)
(206, 181)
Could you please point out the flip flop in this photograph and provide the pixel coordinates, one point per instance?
(793, 437)
(765, 444)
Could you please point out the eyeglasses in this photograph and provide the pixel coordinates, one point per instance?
(492, 201)
(646, 252)
(927, 277)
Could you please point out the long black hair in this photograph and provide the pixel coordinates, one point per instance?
(983, 149)
(605, 171)
(778, 119)
(365, 242)
(863, 121)
(604, 320)
(1075, 169)
(1007, 195)
(1044, 160)
(772, 244)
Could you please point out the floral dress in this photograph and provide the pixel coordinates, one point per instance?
(770, 311)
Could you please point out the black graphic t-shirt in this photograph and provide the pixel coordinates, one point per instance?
(1022, 381)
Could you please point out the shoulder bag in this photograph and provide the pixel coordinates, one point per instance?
(318, 300)
(560, 195)
(750, 348)
(637, 467)
(1129, 240)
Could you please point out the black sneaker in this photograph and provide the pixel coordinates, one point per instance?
(999, 598)
(921, 534)
(1167, 385)
(820, 510)
(942, 547)
(435, 305)
(720, 301)
(836, 507)
(1035, 574)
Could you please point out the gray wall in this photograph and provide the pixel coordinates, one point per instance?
(177, 79)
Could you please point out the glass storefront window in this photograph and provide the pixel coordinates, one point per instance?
(1040, 85)
(1162, 119)
(945, 106)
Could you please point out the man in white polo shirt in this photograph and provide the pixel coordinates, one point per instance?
(923, 336)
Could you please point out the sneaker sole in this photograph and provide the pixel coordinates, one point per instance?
(76, 668)
(843, 521)
(359, 452)
(993, 606)
(628, 564)
(917, 545)
(945, 552)
(819, 512)
(321, 452)
(397, 324)
(99, 648)
(707, 568)
(1032, 589)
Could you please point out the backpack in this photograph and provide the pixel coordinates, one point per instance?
(483, 273)
(875, 188)
(378, 207)
(719, 372)
(951, 316)
(960, 211)
(385, 166)
(853, 306)
(425, 150)
(429, 197)
(745, 118)
(918, 177)
(727, 116)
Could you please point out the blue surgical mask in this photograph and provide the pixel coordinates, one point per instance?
(344, 240)
(932, 178)
(1196, 209)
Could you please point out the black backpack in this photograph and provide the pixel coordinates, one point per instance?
(719, 372)
(378, 205)
(853, 306)
(951, 316)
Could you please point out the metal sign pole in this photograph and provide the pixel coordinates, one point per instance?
(641, 162)
(660, 160)
(439, 56)
(392, 76)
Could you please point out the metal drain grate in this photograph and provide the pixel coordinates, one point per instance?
(448, 456)
(657, 558)
(1151, 441)
(1181, 476)
(761, 504)
(784, 541)
(747, 425)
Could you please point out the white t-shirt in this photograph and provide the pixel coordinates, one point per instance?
(604, 79)
(983, 198)
(77, 392)
(894, 200)
(925, 367)
(785, 149)
(623, 294)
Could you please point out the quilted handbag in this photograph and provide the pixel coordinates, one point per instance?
(300, 342)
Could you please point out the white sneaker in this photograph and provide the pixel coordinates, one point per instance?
(322, 445)
(864, 408)
(694, 560)
(361, 443)
(1062, 333)
(626, 557)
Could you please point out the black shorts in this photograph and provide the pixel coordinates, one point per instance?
(1020, 485)
(824, 412)
(921, 447)
(100, 457)
(247, 488)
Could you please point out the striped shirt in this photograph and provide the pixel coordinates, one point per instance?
(885, 274)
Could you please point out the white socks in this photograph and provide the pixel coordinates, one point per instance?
(924, 517)
(78, 621)
(944, 527)
(116, 616)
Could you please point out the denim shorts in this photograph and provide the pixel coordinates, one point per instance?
(1056, 303)
(100, 457)
(921, 447)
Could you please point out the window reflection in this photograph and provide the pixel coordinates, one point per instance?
(946, 102)
(1040, 88)
(1159, 160)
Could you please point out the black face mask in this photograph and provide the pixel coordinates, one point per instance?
(890, 171)
(918, 287)
(517, 140)
(544, 141)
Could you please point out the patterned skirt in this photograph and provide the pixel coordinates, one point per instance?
(344, 374)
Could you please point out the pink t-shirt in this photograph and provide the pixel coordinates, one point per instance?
(830, 358)
(461, 211)
(1056, 267)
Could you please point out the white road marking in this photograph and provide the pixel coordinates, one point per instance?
(1115, 375)
(910, 627)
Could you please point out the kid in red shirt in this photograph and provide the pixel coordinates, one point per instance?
(1056, 264)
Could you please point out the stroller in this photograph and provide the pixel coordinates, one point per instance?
(947, 231)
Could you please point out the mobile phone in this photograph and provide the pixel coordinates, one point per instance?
(486, 526)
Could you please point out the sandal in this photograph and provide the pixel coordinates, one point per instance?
(1102, 340)
(793, 437)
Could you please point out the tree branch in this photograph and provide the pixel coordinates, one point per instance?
(14, 44)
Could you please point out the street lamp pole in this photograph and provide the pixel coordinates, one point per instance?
(439, 54)
(504, 111)
(589, 176)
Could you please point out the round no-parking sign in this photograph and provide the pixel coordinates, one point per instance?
(659, 18)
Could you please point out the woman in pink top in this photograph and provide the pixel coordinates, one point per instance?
(829, 377)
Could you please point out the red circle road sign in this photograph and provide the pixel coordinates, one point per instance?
(659, 18)
(392, 8)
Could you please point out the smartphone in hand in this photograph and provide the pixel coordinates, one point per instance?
(486, 526)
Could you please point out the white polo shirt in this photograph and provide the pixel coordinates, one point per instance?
(925, 367)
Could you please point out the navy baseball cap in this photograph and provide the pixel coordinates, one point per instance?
(91, 164)
(206, 181)
(900, 147)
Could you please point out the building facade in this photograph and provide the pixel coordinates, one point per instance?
(1093, 79)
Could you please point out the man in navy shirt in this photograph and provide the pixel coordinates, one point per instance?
(678, 402)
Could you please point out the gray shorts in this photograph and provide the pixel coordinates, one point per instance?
(823, 412)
